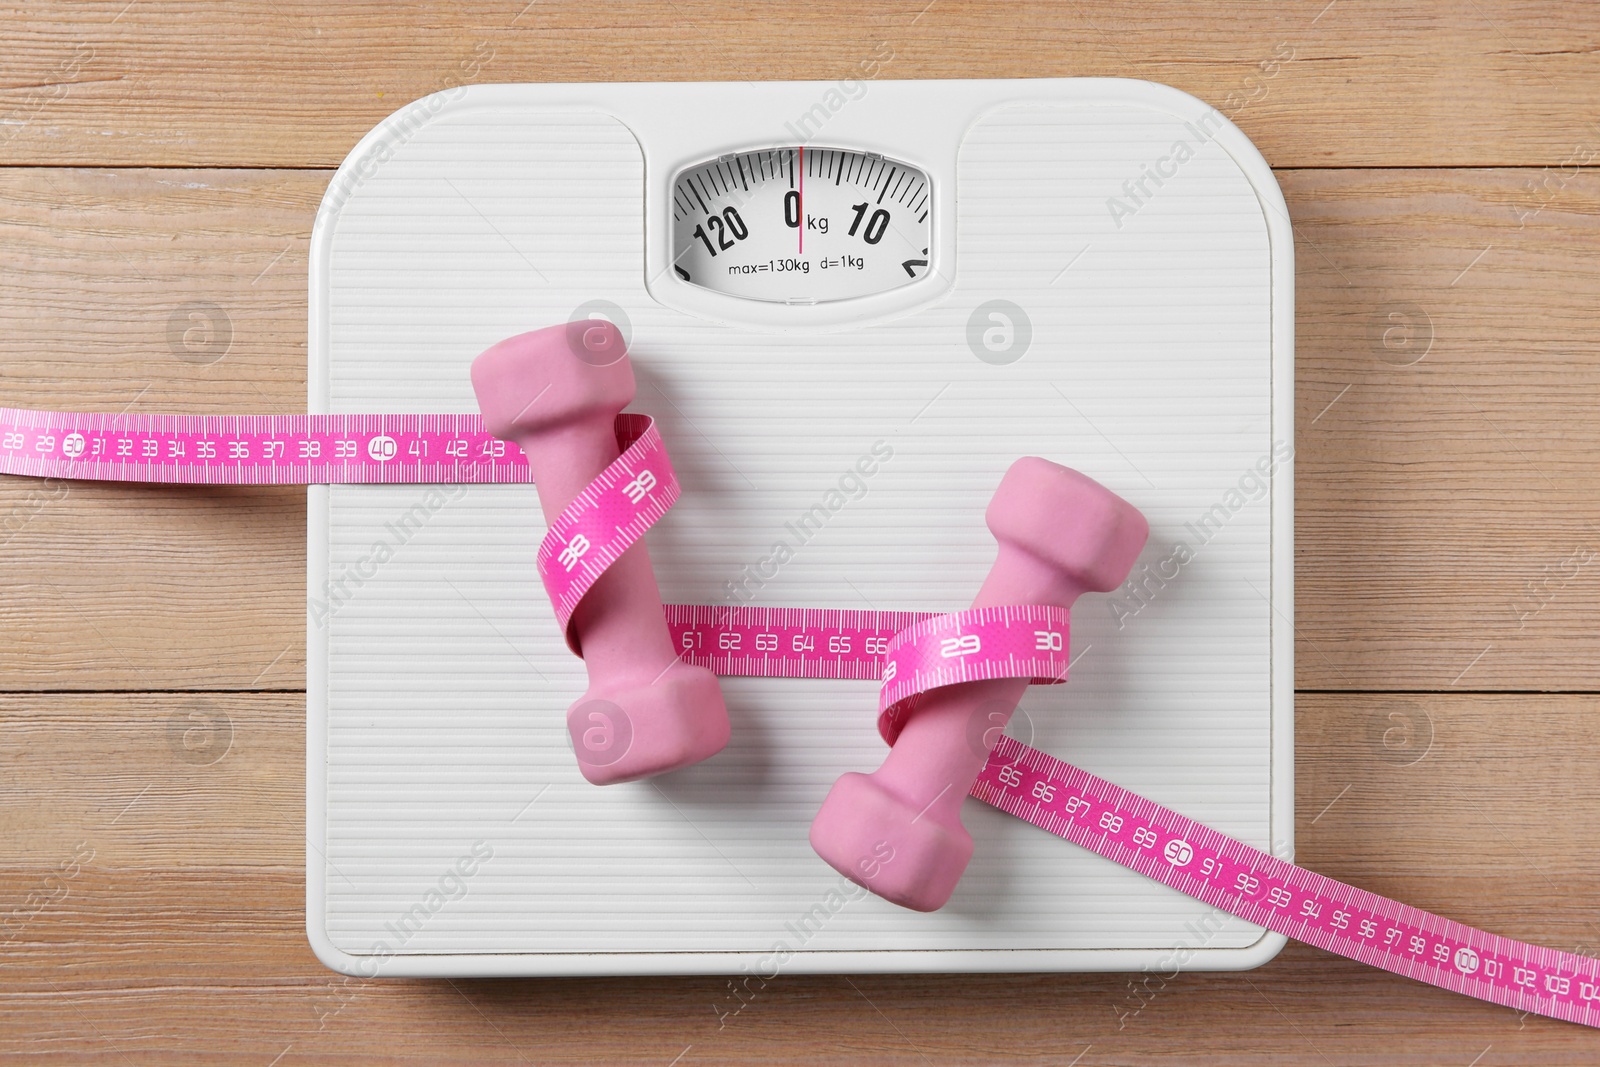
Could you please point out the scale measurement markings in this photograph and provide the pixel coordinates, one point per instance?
(776, 237)
(909, 652)
(1245, 882)
(256, 449)
(770, 642)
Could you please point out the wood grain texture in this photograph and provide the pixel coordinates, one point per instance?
(155, 290)
(1445, 534)
(296, 82)
(181, 935)
(152, 639)
(1445, 527)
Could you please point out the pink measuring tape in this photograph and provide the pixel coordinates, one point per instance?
(256, 449)
(611, 513)
(825, 643)
(1243, 881)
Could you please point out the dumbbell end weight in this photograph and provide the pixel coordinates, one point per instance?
(556, 393)
(881, 841)
(625, 734)
(898, 830)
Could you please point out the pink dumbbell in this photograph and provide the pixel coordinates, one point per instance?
(898, 831)
(556, 392)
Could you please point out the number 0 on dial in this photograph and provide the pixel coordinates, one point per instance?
(801, 225)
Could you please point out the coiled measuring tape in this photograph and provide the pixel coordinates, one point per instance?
(899, 647)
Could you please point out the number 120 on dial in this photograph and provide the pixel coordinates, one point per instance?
(801, 225)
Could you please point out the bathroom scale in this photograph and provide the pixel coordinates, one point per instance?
(850, 306)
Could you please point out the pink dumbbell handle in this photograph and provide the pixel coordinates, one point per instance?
(558, 392)
(619, 622)
(934, 746)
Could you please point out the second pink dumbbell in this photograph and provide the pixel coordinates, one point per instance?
(556, 392)
(898, 831)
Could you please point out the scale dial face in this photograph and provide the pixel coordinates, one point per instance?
(801, 225)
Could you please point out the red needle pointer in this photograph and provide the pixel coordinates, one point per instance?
(800, 200)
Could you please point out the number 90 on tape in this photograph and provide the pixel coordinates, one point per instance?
(1246, 882)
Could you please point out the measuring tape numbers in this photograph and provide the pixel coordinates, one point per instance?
(256, 449)
(910, 653)
(1253, 885)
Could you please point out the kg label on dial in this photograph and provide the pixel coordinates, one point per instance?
(801, 225)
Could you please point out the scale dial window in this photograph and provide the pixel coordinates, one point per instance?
(801, 225)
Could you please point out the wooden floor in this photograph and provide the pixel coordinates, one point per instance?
(157, 155)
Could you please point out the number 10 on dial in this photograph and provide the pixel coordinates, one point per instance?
(801, 225)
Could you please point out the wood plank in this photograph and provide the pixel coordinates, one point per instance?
(1445, 532)
(153, 291)
(296, 83)
(1430, 495)
(1444, 518)
(182, 935)
(152, 587)
(154, 781)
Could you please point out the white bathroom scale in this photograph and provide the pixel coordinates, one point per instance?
(850, 307)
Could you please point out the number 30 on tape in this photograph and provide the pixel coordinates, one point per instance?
(829, 643)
